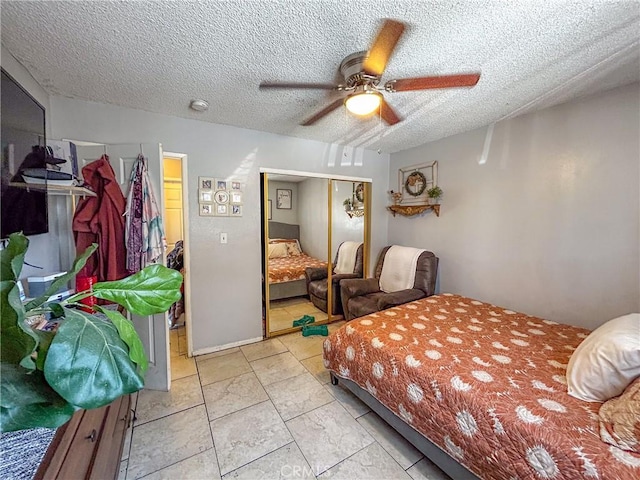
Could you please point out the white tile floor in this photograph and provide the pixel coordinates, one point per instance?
(263, 411)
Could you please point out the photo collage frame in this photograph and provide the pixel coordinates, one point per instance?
(218, 197)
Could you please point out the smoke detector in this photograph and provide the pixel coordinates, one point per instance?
(199, 105)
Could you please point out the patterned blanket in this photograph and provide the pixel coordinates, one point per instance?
(485, 384)
(288, 269)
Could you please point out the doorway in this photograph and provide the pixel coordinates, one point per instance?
(175, 215)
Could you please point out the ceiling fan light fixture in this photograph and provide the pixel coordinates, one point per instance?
(363, 103)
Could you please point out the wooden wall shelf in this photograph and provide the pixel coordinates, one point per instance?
(411, 210)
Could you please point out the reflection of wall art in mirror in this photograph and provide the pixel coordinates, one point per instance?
(206, 210)
(415, 180)
(221, 197)
(283, 199)
(206, 183)
(205, 196)
(360, 192)
(222, 210)
(236, 197)
(221, 184)
(269, 212)
(236, 210)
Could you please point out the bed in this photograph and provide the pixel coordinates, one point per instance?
(286, 274)
(479, 389)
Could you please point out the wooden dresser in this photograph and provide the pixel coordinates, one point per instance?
(88, 446)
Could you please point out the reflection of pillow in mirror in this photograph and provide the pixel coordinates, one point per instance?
(287, 240)
(278, 250)
(293, 249)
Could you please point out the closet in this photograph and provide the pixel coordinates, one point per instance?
(306, 218)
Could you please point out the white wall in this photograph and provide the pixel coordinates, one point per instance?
(226, 288)
(43, 249)
(549, 225)
(282, 214)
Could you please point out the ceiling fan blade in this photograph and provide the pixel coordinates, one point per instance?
(383, 47)
(426, 83)
(325, 111)
(307, 86)
(388, 114)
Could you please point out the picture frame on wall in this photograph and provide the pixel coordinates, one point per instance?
(221, 184)
(205, 196)
(269, 210)
(415, 180)
(222, 210)
(235, 197)
(206, 183)
(283, 198)
(236, 186)
(206, 209)
(235, 210)
(221, 197)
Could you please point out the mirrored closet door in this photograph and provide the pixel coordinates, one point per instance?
(299, 248)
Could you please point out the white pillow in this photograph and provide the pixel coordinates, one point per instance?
(607, 361)
(278, 250)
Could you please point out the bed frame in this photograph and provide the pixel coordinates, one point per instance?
(295, 288)
(434, 453)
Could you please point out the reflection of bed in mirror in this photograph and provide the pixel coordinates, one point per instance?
(286, 273)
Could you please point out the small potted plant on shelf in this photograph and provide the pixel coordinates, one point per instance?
(434, 194)
(90, 360)
(396, 196)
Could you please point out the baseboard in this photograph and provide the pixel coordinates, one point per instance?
(204, 351)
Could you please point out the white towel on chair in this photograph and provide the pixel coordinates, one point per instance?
(347, 257)
(399, 268)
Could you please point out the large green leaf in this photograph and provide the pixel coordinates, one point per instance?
(78, 264)
(128, 335)
(17, 340)
(34, 415)
(12, 257)
(44, 341)
(21, 387)
(88, 364)
(152, 290)
(27, 401)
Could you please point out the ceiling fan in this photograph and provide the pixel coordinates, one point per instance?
(362, 72)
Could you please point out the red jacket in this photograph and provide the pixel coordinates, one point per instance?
(100, 219)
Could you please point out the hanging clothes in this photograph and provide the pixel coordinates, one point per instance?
(175, 260)
(144, 235)
(99, 220)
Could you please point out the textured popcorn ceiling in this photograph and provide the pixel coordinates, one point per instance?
(157, 56)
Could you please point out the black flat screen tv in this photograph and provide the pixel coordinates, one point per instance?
(23, 146)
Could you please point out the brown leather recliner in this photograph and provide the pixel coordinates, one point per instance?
(317, 282)
(363, 296)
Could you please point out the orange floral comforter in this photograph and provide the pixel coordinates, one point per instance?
(485, 384)
(288, 269)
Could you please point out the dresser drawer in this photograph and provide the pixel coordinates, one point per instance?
(107, 460)
(89, 446)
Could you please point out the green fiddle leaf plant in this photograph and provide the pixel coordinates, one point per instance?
(89, 361)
